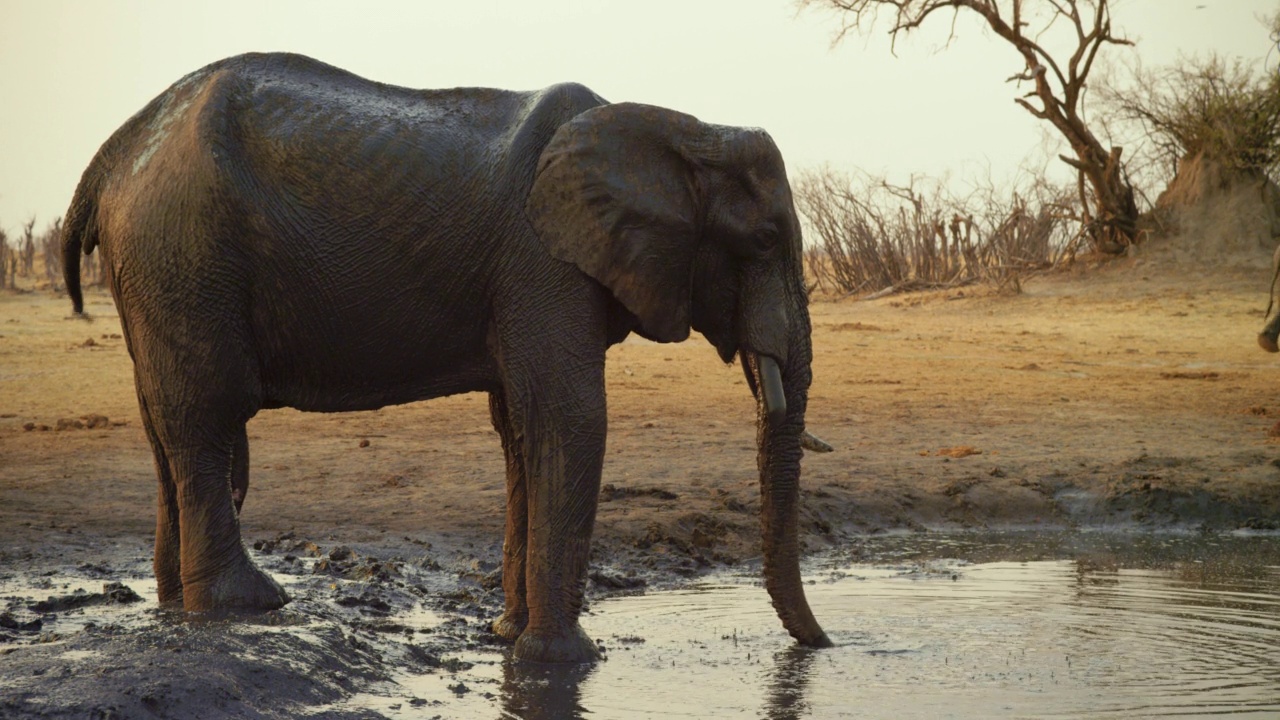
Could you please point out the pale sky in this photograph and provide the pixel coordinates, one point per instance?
(71, 72)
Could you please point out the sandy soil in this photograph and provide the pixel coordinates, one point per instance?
(1123, 394)
(1131, 394)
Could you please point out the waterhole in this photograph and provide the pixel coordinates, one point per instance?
(995, 627)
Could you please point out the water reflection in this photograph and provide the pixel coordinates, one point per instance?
(1129, 626)
(1194, 636)
(1133, 626)
(787, 684)
(536, 691)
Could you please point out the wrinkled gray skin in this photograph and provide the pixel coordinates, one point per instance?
(1267, 339)
(279, 232)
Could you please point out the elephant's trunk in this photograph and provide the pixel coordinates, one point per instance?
(779, 430)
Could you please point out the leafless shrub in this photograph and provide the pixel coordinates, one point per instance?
(18, 259)
(26, 241)
(27, 252)
(51, 248)
(1209, 108)
(91, 270)
(873, 236)
(8, 262)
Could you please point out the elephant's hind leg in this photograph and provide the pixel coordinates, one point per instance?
(216, 570)
(515, 542)
(240, 471)
(167, 562)
(197, 398)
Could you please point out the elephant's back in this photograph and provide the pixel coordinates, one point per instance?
(310, 137)
(286, 138)
(292, 99)
(290, 107)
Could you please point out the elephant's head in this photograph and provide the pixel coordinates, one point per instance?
(692, 225)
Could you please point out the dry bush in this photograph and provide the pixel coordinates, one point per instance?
(51, 248)
(27, 252)
(1202, 108)
(8, 262)
(26, 245)
(1207, 138)
(872, 236)
(18, 259)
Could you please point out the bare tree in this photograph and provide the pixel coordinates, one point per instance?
(8, 260)
(27, 252)
(1057, 97)
(51, 244)
(93, 271)
(24, 243)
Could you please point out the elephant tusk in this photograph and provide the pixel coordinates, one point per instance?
(813, 443)
(775, 398)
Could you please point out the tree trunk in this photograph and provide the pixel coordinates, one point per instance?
(1112, 218)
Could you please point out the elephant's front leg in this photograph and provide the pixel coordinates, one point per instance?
(515, 543)
(559, 413)
(564, 455)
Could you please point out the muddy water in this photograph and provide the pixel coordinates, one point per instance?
(999, 625)
(1032, 627)
(957, 640)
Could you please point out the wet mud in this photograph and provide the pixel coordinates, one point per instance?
(75, 645)
(1011, 624)
(90, 640)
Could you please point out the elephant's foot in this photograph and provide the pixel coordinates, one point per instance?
(168, 571)
(556, 647)
(241, 587)
(511, 624)
(169, 591)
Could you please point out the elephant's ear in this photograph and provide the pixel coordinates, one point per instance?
(615, 195)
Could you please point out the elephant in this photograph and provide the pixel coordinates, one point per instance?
(1267, 338)
(278, 232)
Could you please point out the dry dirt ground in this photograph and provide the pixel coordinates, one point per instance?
(1130, 394)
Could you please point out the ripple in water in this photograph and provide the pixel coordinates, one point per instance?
(939, 639)
(927, 626)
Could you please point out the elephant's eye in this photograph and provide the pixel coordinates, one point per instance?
(766, 239)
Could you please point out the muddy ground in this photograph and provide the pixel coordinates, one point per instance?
(1130, 394)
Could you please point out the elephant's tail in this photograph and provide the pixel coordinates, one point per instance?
(79, 234)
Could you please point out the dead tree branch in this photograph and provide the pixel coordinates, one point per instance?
(1058, 88)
